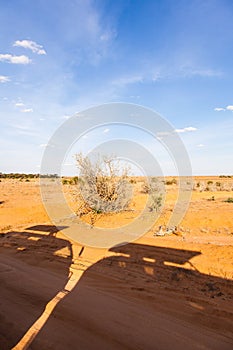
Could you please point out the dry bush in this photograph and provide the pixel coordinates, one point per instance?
(212, 186)
(154, 187)
(103, 185)
(171, 182)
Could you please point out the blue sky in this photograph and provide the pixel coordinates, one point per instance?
(61, 57)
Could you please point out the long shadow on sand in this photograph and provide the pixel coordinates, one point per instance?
(24, 289)
(142, 297)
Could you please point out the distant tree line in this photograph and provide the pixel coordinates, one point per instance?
(25, 176)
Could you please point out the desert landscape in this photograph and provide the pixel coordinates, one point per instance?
(159, 292)
(116, 177)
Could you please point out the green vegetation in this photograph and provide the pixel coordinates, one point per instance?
(18, 176)
(65, 182)
(21, 176)
(70, 180)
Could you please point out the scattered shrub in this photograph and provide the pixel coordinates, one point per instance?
(154, 189)
(171, 182)
(145, 188)
(156, 202)
(75, 180)
(229, 200)
(132, 181)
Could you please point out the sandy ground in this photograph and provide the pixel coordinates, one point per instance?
(172, 292)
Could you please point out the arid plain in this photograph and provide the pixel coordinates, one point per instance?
(159, 292)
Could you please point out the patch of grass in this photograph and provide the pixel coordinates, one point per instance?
(229, 200)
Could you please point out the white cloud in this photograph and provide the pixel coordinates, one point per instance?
(4, 79)
(128, 80)
(200, 145)
(14, 59)
(190, 128)
(206, 73)
(228, 108)
(189, 71)
(32, 45)
(187, 129)
(27, 110)
(19, 104)
(43, 145)
(219, 109)
(106, 131)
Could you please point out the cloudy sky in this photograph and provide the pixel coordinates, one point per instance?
(61, 57)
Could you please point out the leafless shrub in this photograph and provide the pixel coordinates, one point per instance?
(103, 185)
(225, 186)
(154, 187)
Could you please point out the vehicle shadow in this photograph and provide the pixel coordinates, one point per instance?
(142, 297)
(136, 297)
(24, 291)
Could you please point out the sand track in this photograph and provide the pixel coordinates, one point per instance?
(158, 293)
(122, 301)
